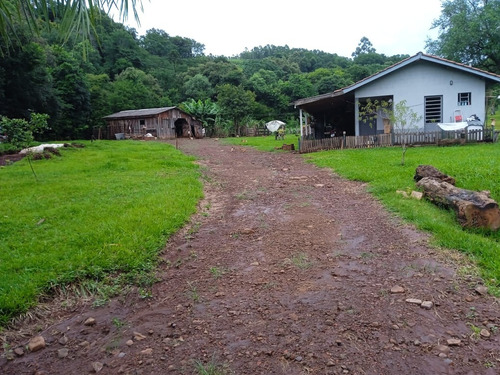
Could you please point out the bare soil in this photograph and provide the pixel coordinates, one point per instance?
(286, 269)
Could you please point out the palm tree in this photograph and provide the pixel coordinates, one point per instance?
(78, 16)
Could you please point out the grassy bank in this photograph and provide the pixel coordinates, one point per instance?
(265, 143)
(104, 208)
(475, 167)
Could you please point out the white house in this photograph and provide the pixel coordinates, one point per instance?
(435, 88)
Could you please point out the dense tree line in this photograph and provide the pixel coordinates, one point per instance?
(77, 81)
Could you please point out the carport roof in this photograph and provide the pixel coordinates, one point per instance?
(418, 57)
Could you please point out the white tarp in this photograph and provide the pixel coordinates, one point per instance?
(274, 125)
(450, 126)
(39, 149)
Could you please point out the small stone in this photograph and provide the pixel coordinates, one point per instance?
(443, 349)
(454, 342)
(319, 185)
(97, 366)
(469, 299)
(36, 343)
(19, 352)
(414, 301)
(89, 322)
(129, 343)
(139, 336)
(62, 353)
(63, 340)
(417, 343)
(481, 289)
(397, 289)
(485, 333)
(417, 195)
(254, 264)
(121, 355)
(427, 305)
(330, 363)
(298, 358)
(443, 355)
(403, 193)
(147, 351)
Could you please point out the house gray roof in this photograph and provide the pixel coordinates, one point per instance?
(146, 112)
(418, 57)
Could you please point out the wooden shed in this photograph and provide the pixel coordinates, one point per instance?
(162, 123)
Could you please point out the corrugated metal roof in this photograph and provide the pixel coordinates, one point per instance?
(146, 112)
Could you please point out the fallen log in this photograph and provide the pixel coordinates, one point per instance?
(430, 171)
(474, 209)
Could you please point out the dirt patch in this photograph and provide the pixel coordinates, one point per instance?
(286, 269)
(10, 158)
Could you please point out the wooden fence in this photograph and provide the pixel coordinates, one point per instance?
(394, 139)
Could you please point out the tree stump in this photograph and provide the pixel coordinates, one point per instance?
(474, 209)
(430, 171)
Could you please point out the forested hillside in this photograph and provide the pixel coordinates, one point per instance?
(77, 80)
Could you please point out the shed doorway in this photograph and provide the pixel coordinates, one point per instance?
(181, 126)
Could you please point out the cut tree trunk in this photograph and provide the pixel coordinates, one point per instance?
(474, 209)
(430, 171)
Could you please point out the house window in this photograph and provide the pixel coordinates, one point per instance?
(433, 109)
(464, 98)
(142, 122)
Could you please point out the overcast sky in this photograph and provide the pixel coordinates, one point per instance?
(227, 27)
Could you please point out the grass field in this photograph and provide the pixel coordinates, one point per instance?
(265, 143)
(105, 208)
(475, 167)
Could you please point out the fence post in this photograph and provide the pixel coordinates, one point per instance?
(343, 140)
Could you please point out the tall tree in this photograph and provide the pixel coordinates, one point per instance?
(235, 103)
(364, 46)
(469, 32)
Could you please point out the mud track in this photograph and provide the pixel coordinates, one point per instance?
(286, 269)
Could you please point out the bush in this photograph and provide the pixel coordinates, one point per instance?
(19, 132)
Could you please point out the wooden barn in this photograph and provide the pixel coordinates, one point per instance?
(161, 123)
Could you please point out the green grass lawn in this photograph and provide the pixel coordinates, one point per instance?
(108, 207)
(265, 143)
(475, 167)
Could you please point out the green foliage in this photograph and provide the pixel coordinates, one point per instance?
(469, 33)
(106, 208)
(474, 167)
(235, 103)
(20, 133)
(364, 47)
(206, 111)
(198, 88)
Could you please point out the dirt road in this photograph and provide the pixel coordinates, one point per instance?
(286, 269)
